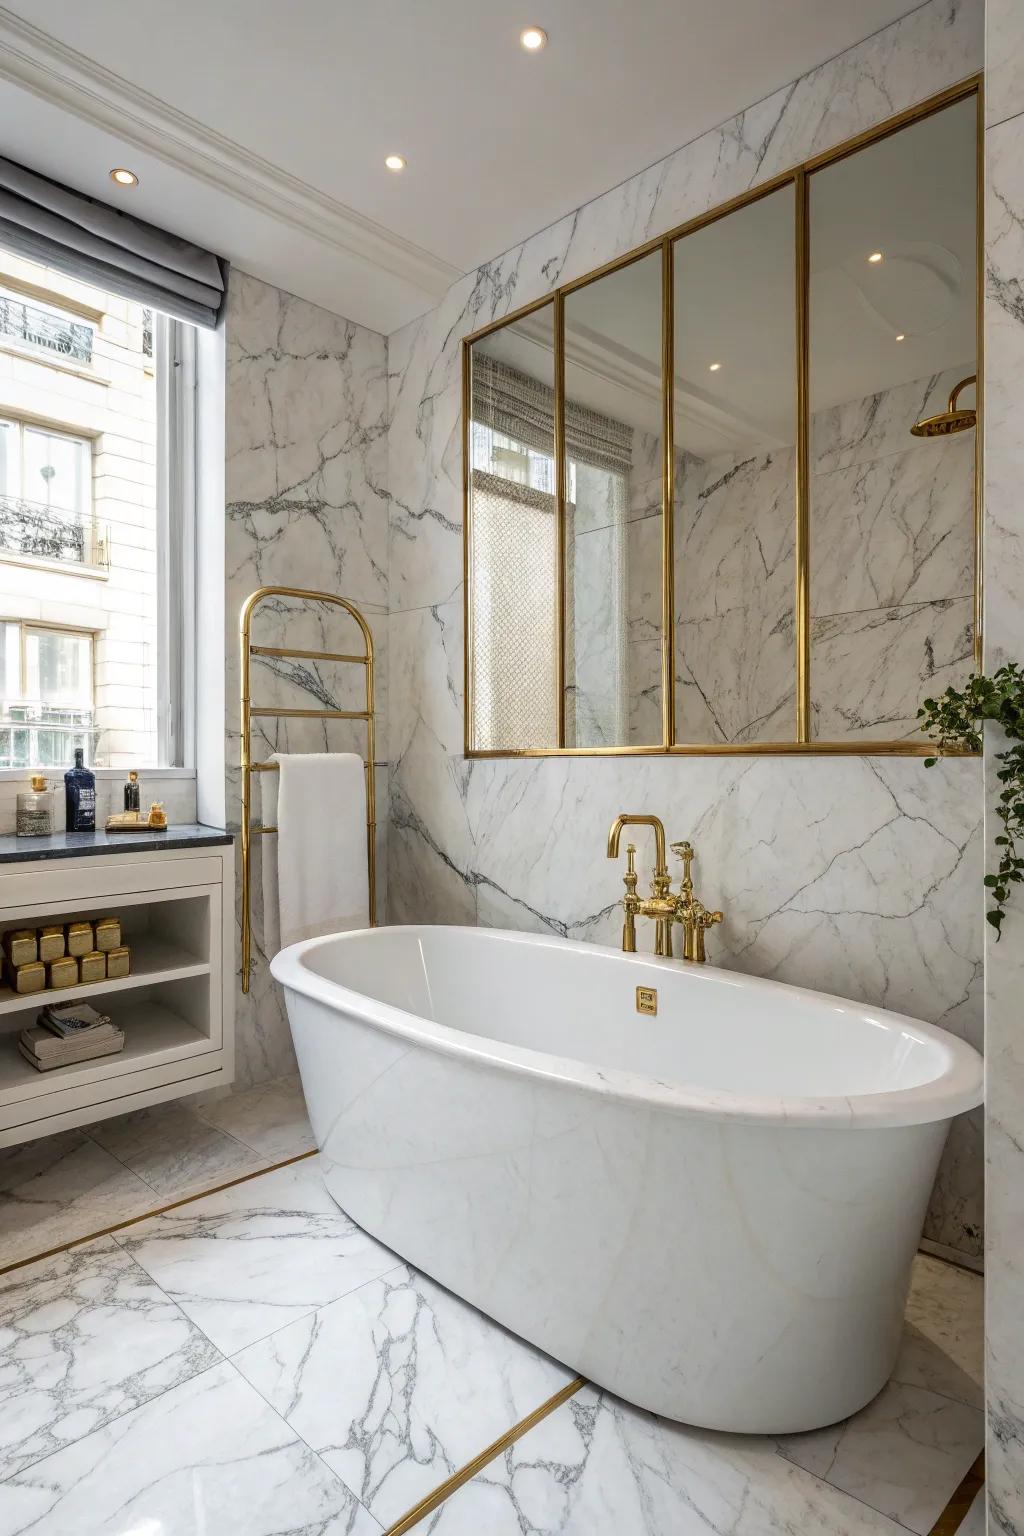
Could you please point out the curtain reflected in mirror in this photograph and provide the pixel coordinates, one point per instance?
(513, 538)
(735, 476)
(893, 331)
(613, 511)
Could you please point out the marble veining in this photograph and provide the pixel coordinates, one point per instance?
(398, 1385)
(61, 1187)
(208, 1455)
(307, 506)
(85, 1337)
(248, 1260)
(856, 875)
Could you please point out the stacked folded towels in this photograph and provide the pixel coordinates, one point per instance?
(66, 1032)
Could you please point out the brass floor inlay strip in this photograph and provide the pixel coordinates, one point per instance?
(426, 1506)
(160, 1210)
(955, 1512)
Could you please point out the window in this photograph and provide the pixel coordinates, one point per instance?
(46, 695)
(46, 494)
(97, 507)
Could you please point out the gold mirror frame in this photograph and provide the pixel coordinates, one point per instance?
(798, 178)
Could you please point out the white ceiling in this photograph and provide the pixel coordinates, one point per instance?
(260, 128)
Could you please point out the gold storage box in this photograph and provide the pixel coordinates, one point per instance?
(63, 973)
(108, 933)
(51, 943)
(80, 939)
(93, 966)
(119, 962)
(21, 946)
(30, 977)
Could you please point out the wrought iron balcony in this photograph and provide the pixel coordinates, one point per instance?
(48, 533)
(41, 328)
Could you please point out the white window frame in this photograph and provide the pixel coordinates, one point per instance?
(174, 355)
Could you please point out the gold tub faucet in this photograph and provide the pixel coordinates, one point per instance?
(659, 904)
(662, 906)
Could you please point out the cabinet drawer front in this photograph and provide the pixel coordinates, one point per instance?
(65, 880)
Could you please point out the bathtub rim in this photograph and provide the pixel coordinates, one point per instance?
(955, 1090)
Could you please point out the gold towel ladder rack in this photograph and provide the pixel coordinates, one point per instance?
(251, 712)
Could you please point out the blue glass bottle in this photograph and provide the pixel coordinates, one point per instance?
(80, 796)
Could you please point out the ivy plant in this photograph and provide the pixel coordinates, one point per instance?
(955, 720)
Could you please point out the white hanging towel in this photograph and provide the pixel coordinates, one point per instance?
(315, 878)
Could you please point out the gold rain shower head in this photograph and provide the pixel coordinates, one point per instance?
(952, 419)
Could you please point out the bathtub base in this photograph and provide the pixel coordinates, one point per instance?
(733, 1276)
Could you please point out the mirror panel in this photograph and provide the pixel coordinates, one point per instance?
(512, 537)
(734, 488)
(613, 509)
(893, 328)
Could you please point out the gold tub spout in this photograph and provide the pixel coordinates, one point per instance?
(660, 906)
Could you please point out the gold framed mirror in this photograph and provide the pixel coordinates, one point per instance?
(721, 494)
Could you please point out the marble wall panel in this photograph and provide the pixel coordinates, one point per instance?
(306, 419)
(1004, 634)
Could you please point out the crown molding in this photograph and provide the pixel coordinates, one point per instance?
(38, 63)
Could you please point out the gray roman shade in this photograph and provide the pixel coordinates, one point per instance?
(523, 408)
(49, 223)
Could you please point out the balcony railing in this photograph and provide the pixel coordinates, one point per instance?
(40, 328)
(49, 533)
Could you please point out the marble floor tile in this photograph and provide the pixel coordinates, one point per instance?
(208, 1458)
(270, 1118)
(903, 1454)
(85, 1337)
(597, 1467)
(247, 1261)
(174, 1151)
(398, 1385)
(944, 1340)
(59, 1188)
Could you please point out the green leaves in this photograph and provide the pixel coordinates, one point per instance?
(955, 721)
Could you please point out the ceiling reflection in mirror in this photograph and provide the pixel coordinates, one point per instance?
(893, 332)
(735, 476)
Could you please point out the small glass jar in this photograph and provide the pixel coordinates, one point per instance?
(35, 809)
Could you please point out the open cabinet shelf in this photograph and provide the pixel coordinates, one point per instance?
(175, 1008)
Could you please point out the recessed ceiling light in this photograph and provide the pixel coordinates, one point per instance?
(124, 178)
(901, 336)
(714, 367)
(395, 162)
(533, 39)
(875, 256)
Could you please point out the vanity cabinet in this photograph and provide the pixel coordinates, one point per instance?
(176, 905)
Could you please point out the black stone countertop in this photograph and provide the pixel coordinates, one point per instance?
(70, 845)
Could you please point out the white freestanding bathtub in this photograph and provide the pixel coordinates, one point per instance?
(711, 1212)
